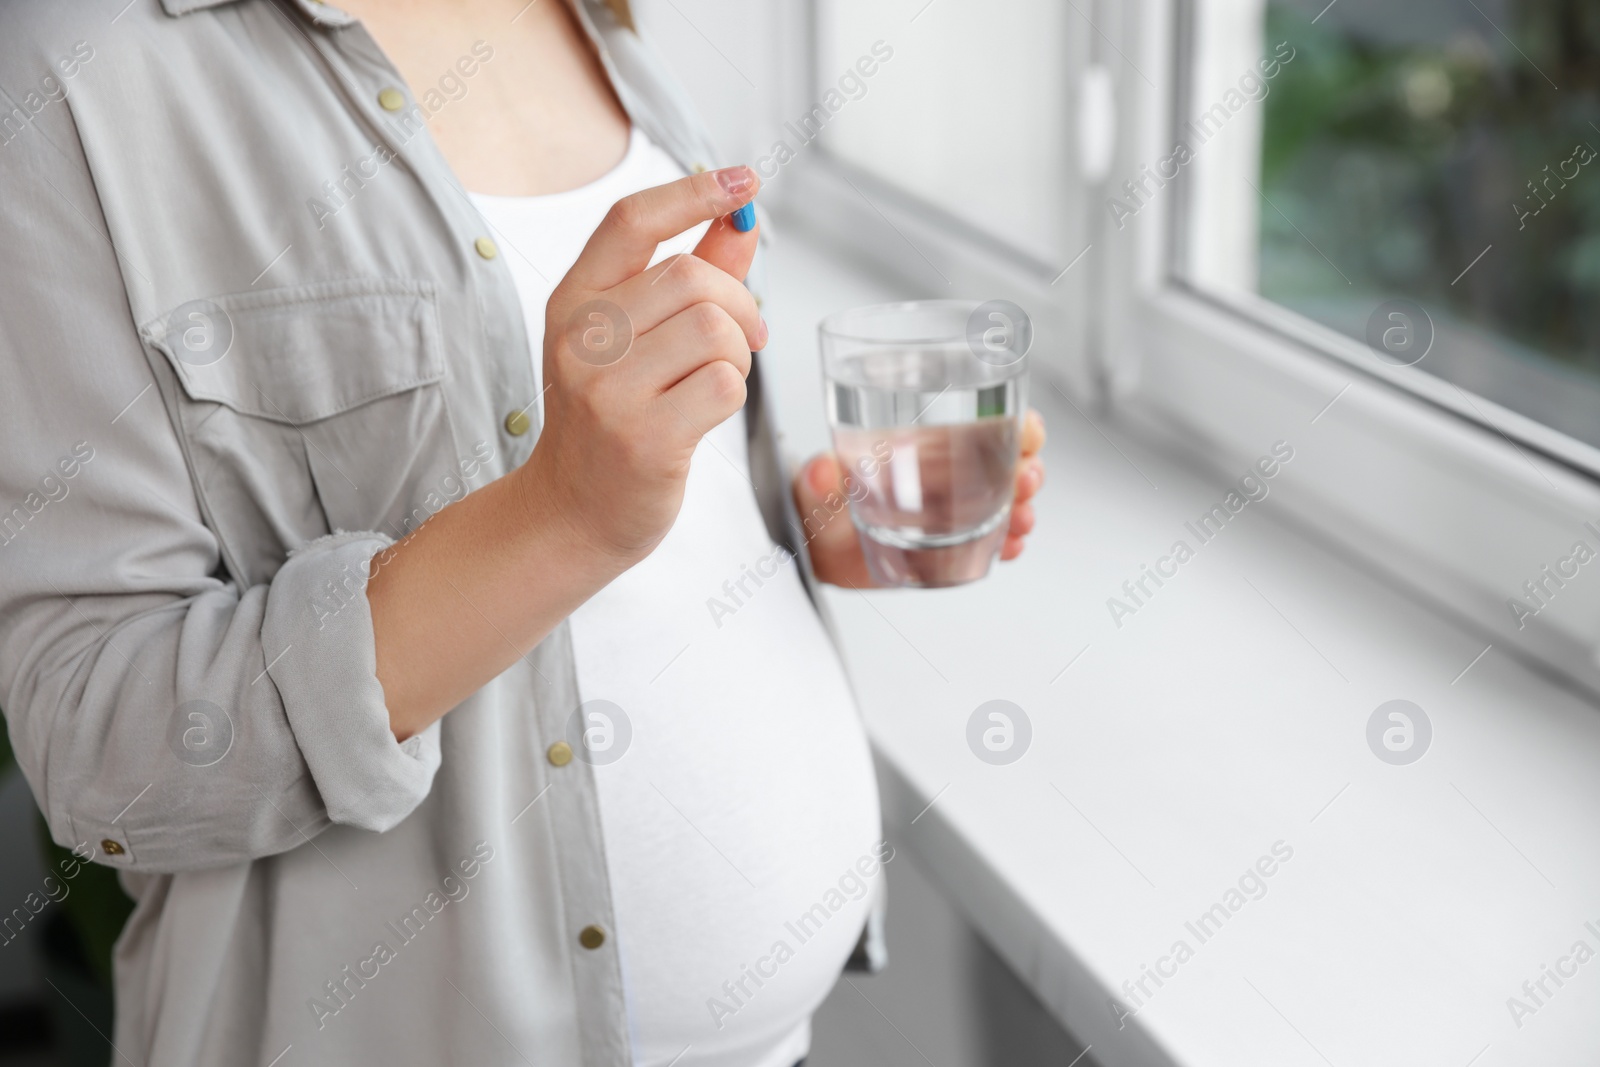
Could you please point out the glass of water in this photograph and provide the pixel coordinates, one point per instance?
(926, 400)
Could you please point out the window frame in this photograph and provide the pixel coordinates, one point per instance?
(1447, 493)
(924, 247)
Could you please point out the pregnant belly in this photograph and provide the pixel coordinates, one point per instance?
(741, 820)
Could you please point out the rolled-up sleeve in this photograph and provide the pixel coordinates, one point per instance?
(160, 712)
(364, 777)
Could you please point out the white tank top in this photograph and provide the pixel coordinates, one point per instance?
(744, 800)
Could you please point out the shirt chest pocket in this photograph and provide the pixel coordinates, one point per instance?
(309, 410)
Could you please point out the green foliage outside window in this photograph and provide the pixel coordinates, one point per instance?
(1404, 159)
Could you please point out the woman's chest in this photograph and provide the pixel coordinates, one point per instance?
(330, 324)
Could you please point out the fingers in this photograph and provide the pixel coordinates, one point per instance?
(1021, 521)
(696, 336)
(624, 242)
(1030, 477)
(1032, 432)
(683, 281)
(708, 396)
(725, 248)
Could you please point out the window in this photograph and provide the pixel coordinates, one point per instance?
(953, 165)
(1287, 174)
(1356, 161)
(1337, 158)
(970, 115)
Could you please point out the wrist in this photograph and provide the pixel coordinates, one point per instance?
(549, 516)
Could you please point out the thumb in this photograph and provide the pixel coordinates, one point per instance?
(622, 245)
(820, 494)
(725, 248)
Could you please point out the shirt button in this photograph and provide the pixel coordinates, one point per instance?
(592, 937)
(486, 248)
(110, 847)
(560, 754)
(699, 168)
(518, 423)
(391, 99)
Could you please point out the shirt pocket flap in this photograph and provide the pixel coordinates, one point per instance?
(300, 354)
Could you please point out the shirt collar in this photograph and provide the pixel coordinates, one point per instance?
(318, 13)
(327, 15)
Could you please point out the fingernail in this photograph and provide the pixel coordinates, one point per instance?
(761, 336)
(736, 181)
(744, 220)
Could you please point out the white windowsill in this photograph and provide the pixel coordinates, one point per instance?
(1218, 720)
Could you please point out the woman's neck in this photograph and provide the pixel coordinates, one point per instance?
(536, 115)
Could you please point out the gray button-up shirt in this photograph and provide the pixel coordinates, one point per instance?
(250, 335)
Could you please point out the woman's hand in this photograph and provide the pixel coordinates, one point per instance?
(835, 549)
(640, 363)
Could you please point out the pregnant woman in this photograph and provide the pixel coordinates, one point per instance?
(365, 468)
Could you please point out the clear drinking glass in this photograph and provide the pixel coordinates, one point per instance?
(925, 400)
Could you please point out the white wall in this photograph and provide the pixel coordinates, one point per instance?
(727, 55)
